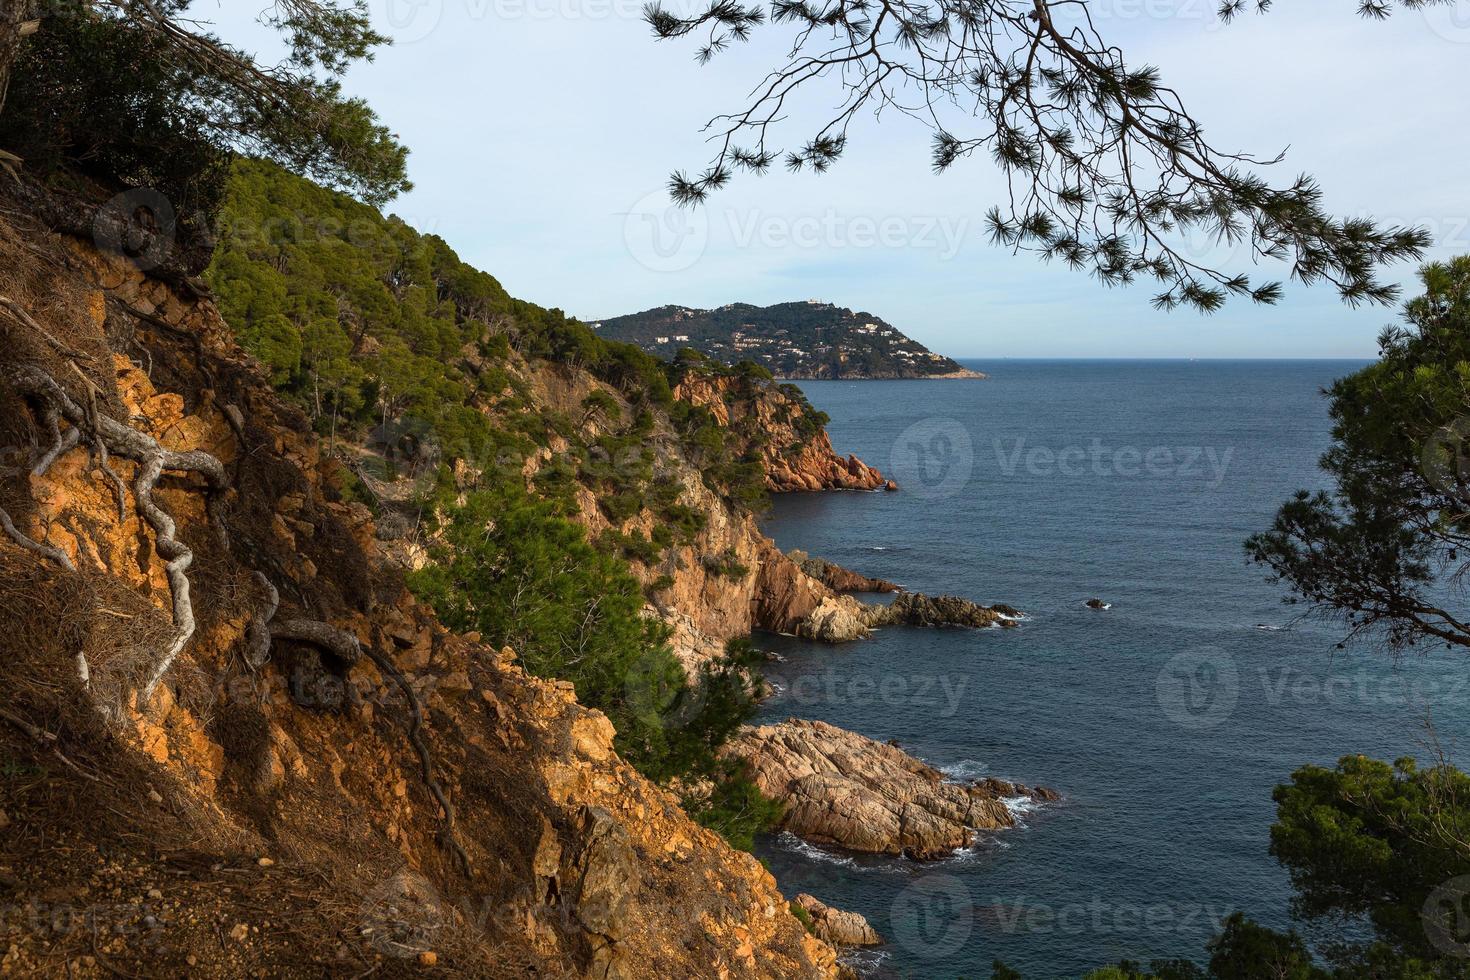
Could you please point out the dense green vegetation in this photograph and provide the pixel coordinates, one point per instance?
(793, 340)
(362, 319)
(135, 93)
(377, 330)
(1377, 550)
(512, 567)
(409, 361)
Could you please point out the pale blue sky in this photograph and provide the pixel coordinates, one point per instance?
(543, 131)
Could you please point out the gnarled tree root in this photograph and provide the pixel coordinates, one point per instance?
(346, 647)
(106, 435)
(31, 544)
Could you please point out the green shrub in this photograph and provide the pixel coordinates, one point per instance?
(725, 565)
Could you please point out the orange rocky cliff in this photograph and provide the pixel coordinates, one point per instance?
(795, 460)
(324, 780)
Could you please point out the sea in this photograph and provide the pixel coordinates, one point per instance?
(1164, 721)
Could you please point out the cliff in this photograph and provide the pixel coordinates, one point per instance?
(449, 385)
(235, 745)
(803, 340)
(778, 425)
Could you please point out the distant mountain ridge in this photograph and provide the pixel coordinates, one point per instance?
(800, 340)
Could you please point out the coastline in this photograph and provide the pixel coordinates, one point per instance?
(963, 374)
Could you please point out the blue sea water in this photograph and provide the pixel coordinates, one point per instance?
(1165, 721)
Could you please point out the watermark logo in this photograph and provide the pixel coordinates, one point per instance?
(933, 917)
(402, 916)
(1198, 688)
(1450, 20)
(663, 237)
(660, 695)
(933, 458)
(1444, 460)
(1446, 917)
(407, 21)
(139, 225)
(1206, 464)
(937, 695)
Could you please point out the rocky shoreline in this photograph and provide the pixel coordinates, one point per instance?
(836, 577)
(846, 790)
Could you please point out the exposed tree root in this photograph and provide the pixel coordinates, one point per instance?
(29, 322)
(258, 632)
(106, 435)
(448, 837)
(345, 646)
(51, 419)
(31, 544)
(339, 643)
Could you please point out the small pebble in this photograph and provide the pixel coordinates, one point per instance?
(265, 862)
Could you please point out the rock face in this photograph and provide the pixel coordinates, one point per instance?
(836, 577)
(246, 799)
(836, 926)
(787, 600)
(797, 453)
(847, 790)
(917, 609)
(704, 604)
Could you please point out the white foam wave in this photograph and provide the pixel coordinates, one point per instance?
(811, 852)
(964, 771)
(1019, 808)
(864, 962)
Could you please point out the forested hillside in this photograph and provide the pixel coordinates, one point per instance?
(809, 339)
(619, 538)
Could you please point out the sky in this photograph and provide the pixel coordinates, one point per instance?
(543, 132)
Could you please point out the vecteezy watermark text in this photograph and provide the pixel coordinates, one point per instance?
(1097, 458)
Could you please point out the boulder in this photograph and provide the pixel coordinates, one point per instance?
(836, 926)
(836, 619)
(850, 791)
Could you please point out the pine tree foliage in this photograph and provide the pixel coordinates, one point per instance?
(112, 64)
(1108, 172)
(1385, 548)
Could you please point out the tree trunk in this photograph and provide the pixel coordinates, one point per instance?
(17, 22)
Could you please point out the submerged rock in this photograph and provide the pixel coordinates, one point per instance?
(917, 609)
(1098, 604)
(836, 926)
(847, 790)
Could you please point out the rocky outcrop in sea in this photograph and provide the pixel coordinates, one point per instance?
(850, 791)
(836, 577)
(917, 609)
(836, 926)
